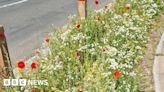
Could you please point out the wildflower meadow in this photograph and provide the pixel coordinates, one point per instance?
(98, 54)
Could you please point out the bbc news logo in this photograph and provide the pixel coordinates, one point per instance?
(24, 82)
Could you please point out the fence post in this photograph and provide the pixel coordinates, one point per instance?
(82, 8)
(5, 63)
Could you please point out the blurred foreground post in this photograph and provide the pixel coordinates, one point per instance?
(82, 8)
(5, 63)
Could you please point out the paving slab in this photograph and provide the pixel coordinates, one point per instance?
(161, 65)
(158, 68)
(161, 78)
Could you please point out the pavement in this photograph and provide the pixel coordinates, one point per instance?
(158, 68)
(27, 22)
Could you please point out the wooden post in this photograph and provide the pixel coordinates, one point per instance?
(5, 63)
(82, 8)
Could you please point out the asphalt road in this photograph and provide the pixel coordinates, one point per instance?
(27, 23)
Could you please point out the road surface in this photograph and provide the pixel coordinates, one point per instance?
(27, 22)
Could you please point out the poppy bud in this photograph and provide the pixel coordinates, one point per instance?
(127, 6)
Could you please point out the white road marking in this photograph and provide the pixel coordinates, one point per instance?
(14, 3)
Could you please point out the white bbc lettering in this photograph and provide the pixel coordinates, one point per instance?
(29, 82)
(34, 82)
(40, 82)
(14, 82)
(22, 82)
(46, 82)
(6, 82)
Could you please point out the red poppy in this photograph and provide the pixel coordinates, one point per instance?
(33, 65)
(96, 2)
(117, 74)
(33, 90)
(78, 54)
(80, 90)
(99, 18)
(21, 64)
(78, 26)
(127, 6)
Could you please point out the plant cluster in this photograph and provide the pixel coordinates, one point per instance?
(100, 53)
